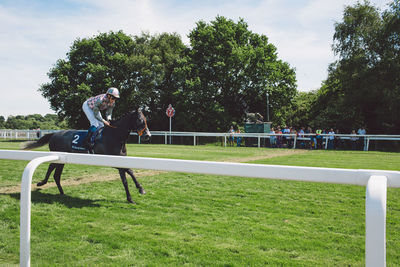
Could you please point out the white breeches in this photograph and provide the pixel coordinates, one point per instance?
(90, 115)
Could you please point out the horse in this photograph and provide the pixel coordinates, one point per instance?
(108, 141)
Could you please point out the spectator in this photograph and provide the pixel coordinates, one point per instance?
(331, 139)
(293, 133)
(338, 141)
(363, 140)
(301, 135)
(301, 132)
(285, 137)
(319, 138)
(272, 138)
(313, 139)
(38, 133)
(231, 138)
(353, 140)
(279, 137)
(238, 139)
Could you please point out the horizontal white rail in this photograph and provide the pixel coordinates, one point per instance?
(310, 174)
(375, 181)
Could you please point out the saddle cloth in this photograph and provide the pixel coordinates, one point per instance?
(79, 137)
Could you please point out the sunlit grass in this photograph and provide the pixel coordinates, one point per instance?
(194, 219)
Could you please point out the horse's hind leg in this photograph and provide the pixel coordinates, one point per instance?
(52, 166)
(138, 186)
(57, 177)
(125, 183)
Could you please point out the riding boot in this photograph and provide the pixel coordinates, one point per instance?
(88, 141)
(90, 144)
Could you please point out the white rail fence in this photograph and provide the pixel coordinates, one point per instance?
(32, 134)
(292, 137)
(376, 182)
(23, 134)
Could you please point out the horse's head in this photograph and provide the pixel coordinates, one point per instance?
(141, 126)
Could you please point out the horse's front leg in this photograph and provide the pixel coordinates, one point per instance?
(125, 183)
(138, 186)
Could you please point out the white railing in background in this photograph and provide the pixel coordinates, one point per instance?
(376, 182)
(260, 136)
(32, 134)
(23, 134)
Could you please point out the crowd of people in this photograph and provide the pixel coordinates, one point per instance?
(306, 138)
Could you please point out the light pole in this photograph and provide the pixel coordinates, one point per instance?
(267, 107)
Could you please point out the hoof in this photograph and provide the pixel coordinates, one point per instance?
(131, 201)
(40, 183)
(142, 192)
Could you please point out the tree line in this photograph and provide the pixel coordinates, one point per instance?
(30, 122)
(227, 70)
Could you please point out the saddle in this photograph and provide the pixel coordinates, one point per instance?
(79, 142)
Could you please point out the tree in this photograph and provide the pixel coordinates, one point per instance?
(2, 122)
(141, 67)
(363, 87)
(154, 68)
(49, 121)
(231, 70)
(301, 114)
(91, 66)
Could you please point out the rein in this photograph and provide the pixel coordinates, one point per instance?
(112, 126)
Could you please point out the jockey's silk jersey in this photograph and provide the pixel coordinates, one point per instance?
(101, 102)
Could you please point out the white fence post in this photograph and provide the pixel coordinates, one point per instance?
(25, 208)
(375, 221)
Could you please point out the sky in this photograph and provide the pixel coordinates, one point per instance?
(34, 34)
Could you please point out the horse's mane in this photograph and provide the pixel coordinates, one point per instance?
(129, 113)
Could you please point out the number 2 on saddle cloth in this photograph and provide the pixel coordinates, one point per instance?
(80, 139)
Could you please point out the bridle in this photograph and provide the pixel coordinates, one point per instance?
(140, 132)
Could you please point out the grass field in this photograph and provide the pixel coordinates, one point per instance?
(193, 219)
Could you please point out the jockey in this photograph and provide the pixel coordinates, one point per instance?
(92, 108)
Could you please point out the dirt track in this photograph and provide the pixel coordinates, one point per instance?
(138, 173)
(277, 153)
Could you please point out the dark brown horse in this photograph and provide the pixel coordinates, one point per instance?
(109, 141)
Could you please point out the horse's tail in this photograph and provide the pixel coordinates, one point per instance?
(41, 142)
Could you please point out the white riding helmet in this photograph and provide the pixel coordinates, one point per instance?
(113, 91)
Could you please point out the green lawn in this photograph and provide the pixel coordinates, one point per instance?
(340, 159)
(199, 220)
